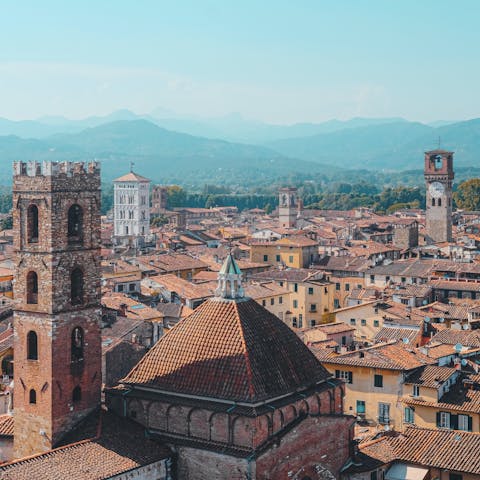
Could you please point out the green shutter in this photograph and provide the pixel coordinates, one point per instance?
(469, 423)
(453, 422)
(350, 377)
(438, 419)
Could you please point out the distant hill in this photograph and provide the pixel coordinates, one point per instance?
(158, 153)
(394, 146)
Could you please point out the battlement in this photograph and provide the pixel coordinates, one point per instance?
(53, 169)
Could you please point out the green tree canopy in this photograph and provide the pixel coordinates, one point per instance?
(467, 195)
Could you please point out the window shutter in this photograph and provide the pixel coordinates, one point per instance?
(350, 377)
(438, 419)
(337, 373)
(469, 423)
(453, 422)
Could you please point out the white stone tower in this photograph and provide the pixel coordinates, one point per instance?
(131, 208)
(288, 207)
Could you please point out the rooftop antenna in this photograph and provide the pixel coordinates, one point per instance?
(131, 167)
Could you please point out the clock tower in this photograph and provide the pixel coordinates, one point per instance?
(438, 177)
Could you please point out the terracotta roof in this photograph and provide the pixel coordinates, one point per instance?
(6, 425)
(391, 333)
(430, 376)
(389, 356)
(131, 177)
(332, 328)
(468, 338)
(231, 350)
(121, 447)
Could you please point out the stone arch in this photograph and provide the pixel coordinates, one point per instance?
(263, 429)
(157, 416)
(198, 423)
(136, 411)
(242, 431)
(278, 420)
(303, 407)
(75, 223)
(290, 414)
(177, 420)
(219, 427)
(32, 223)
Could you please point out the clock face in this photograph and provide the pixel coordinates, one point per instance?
(436, 189)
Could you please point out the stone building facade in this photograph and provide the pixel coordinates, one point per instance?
(56, 214)
(159, 199)
(405, 235)
(287, 207)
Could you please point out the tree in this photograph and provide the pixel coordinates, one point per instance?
(210, 202)
(176, 196)
(467, 195)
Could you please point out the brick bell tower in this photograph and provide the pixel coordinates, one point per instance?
(57, 343)
(438, 178)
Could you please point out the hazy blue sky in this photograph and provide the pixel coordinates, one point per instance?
(278, 61)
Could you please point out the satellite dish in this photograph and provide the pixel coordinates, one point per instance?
(464, 362)
(424, 302)
(465, 327)
(405, 340)
(458, 347)
(427, 319)
(441, 319)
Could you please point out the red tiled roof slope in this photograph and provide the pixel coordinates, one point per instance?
(229, 350)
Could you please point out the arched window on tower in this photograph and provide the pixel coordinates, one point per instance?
(33, 396)
(433, 202)
(32, 345)
(75, 224)
(76, 394)
(32, 287)
(76, 286)
(439, 202)
(32, 223)
(77, 345)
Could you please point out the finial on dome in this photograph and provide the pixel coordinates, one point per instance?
(230, 280)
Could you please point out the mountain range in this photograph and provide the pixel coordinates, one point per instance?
(234, 150)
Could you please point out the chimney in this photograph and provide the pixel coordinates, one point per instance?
(122, 310)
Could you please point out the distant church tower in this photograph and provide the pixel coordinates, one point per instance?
(439, 177)
(288, 207)
(57, 343)
(131, 194)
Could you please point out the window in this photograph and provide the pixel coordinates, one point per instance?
(403, 279)
(443, 419)
(325, 290)
(120, 288)
(277, 258)
(32, 397)
(384, 413)
(416, 391)
(77, 342)
(363, 322)
(290, 259)
(32, 346)
(280, 283)
(76, 286)
(310, 290)
(373, 475)
(376, 323)
(465, 423)
(372, 278)
(264, 303)
(360, 407)
(347, 287)
(126, 229)
(295, 304)
(295, 287)
(280, 300)
(313, 307)
(353, 321)
(455, 476)
(131, 287)
(265, 258)
(439, 202)
(336, 303)
(300, 321)
(312, 323)
(32, 224)
(345, 375)
(272, 301)
(378, 381)
(294, 322)
(433, 202)
(408, 415)
(75, 219)
(337, 287)
(76, 394)
(32, 287)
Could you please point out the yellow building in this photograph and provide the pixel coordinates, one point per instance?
(296, 251)
(311, 295)
(273, 297)
(441, 398)
(374, 380)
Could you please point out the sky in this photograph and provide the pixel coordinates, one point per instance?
(271, 60)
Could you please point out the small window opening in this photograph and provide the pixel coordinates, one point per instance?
(32, 224)
(77, 344)
(32, 346)
(76, 394)
(75, 224)
(33, 396)
(76, 280)
(32, 287)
